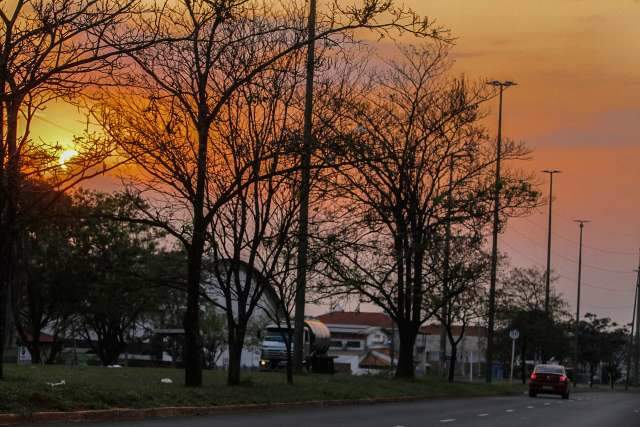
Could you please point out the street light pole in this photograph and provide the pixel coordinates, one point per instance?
(496, 223)
(547, 290)
(582, 222)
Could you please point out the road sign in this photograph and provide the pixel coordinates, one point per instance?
(514, 334)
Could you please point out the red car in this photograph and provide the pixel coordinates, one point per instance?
(549, 379)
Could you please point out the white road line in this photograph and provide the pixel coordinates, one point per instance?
(547, 404)
(510, 410)
(530, 407)
(448, 420)
(486, 415)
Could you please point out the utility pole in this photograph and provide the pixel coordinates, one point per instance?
(582, 222)
(305, 186)
(633, 324)
(636, 352)
(496, 224)
(547, 290)
(446, 272)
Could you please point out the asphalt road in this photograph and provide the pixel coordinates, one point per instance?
(582, 410)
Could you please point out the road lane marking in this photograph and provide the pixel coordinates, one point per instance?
(547, 404)
(510, 410)
(448, 420)
(486, 415)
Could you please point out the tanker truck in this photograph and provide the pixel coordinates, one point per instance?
(317, 339)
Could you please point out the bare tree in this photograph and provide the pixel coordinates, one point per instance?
(178, 91)
(400, 136)
(462, 275)
(251, 231)
(51, 49)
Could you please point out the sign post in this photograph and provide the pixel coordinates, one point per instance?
(514, 334)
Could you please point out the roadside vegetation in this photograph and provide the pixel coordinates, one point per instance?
(26, 390)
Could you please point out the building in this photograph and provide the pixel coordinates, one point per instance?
(366, 342)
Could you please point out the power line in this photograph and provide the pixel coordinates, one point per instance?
(593, 248)
(541, 265)
(595, 267)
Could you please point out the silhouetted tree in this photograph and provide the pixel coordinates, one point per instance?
(114, 266)
(178, 91)
(51, 49)
(391, 200)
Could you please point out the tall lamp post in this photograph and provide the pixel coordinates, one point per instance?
(501, 85)
(582, 222)
(547, 289)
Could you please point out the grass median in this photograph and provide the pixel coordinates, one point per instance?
(25, 389)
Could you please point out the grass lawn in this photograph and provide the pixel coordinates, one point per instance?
(25, 389)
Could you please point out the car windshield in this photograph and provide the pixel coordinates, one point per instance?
(277, 338)
(546, 369)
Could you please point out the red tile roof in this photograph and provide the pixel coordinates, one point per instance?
(381, 320)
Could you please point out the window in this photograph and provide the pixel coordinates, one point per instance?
(354, 344)
(336, 344)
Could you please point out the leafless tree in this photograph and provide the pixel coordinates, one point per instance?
(399, 137)
(462, 275)
(178, 91)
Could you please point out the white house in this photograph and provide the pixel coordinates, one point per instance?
(367, 341)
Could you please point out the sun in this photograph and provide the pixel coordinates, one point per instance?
(65, 156)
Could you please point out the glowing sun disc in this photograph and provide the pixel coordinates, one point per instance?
(65, 156)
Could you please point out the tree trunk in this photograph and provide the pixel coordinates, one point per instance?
(289, 361)
(452, 361)
(191, 323)
(236, 344)
(34, 349)
(235, 358)
(8, 216)
(405, 358)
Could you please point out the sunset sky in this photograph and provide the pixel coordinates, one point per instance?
(577, 105)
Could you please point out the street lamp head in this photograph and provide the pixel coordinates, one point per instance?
(582, 221)
(498, 83)
(552, 171)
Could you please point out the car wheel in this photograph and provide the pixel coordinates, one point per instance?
(565, 396)
(532, 394)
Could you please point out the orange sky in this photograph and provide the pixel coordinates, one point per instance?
(577, 105)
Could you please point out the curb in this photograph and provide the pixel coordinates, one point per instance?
(128, 414)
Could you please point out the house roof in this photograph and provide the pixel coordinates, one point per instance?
(361, 318)
(382, 320)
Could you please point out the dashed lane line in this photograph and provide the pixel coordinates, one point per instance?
(448, 420)
(486, 415)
